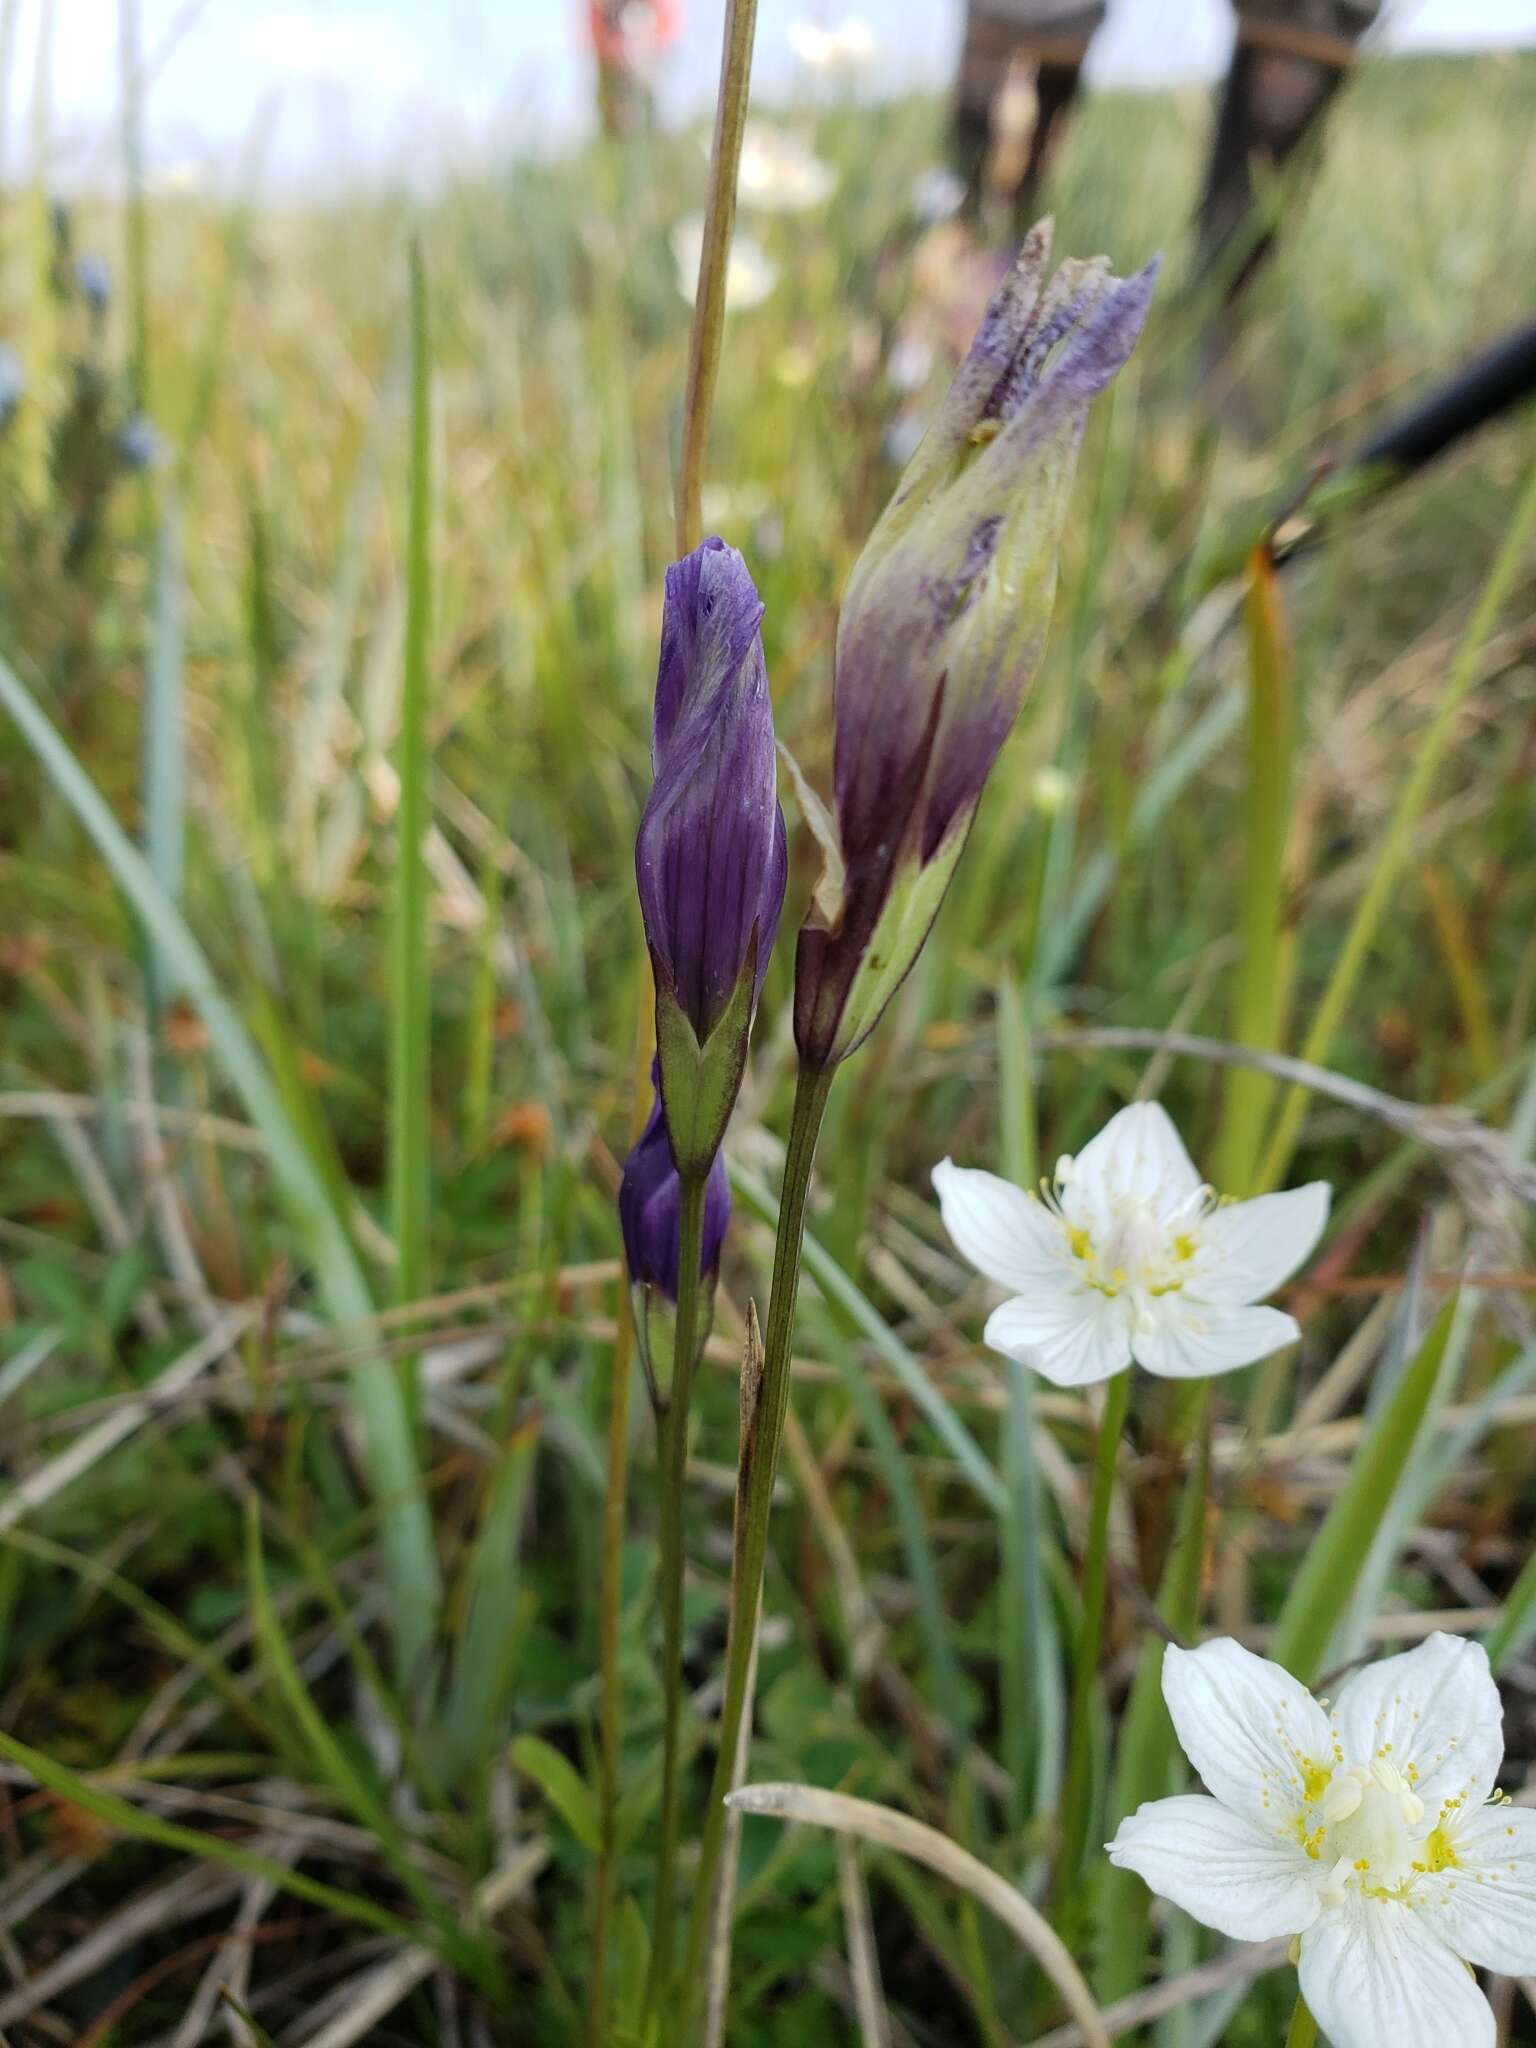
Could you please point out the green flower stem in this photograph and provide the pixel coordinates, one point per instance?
(1075, 1799)
(672, 1458)
(1302, 2032)
(714, 259)
(760, 1462)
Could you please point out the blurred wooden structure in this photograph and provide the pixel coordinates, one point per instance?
(1289, 58)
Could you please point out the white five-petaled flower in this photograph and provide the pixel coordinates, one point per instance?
(1128, 1254)
(1367, 1829)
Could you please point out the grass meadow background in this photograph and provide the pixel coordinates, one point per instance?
(253, 1790)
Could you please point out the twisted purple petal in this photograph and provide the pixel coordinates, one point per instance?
(650, 1210)
(925, 696)
(711, 859)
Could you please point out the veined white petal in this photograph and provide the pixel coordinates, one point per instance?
(1137, 1153)
(1435, 1713)
(1004, 1232)
(1375, 1975)
(1228, 1873)
(1247, 1248)
(1072, 1339)
(1182, 1339)
(1484, 1906)
(1253, 1732)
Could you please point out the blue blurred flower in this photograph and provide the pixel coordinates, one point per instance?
(139, 444)
(93, 277)
(13, 383)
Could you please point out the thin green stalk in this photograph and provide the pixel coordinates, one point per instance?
(1256, 1022)
(40, 337)
(610, 1615)
(672, 1446)
(611, 1589)
(1147, 1760)
(1033, 1696)
(1517, 1619)
(760, 1461)
(1302, 2032)
(410, 1073)
(714, 258)
(163, 761)
(135, 223)
(480, 1029)
(1085, 1665)
(1397, 844)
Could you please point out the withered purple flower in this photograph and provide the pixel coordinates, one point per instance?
(710, 858)
(943, 624)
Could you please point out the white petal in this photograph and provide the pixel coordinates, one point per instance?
(1228, 1873)
(1004, 1232)
(1485, 1907)
(1247, 1248)
(1435, 1713)
(1138, 1152)
(1184, 1340)
(1253, 1732)
(1375, 1976)
(1074, 1340)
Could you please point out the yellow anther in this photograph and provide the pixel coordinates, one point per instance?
(1439, 1852)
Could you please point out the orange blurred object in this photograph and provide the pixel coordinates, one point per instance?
(629, 31)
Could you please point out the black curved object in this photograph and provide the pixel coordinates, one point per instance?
(1489, 385)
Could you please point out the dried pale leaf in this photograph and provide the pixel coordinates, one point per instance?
(827, 896)
(863, 1961)
(1235, 1967)
(887, 1829)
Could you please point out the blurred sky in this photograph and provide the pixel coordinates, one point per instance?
(416, 86)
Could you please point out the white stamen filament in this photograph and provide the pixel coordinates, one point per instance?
(1332, 1892)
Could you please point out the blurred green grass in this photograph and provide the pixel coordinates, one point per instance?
(275, 354)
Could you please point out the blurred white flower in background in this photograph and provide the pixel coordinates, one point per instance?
(1370, 1830)
(750, 276)
(909, 364)
(937, 194)
(1129, 1254)
(847, 46)
(779, 174)
(1051, 789)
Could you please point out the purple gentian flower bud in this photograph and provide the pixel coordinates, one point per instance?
(943, 623)
(650, 1208)
(710, 858)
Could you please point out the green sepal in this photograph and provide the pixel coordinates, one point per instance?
(897, 939)
(700, 1083)
(656, 1333)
